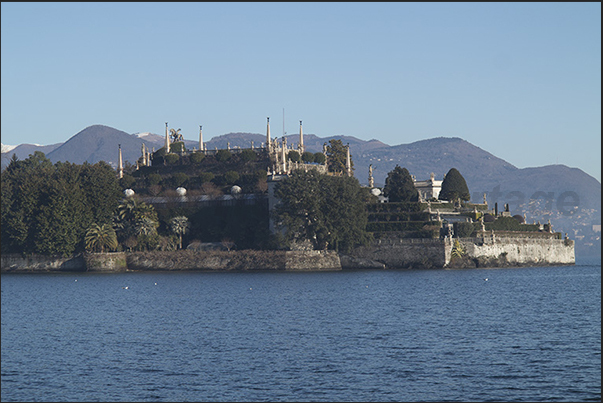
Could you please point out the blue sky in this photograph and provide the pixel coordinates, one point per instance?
(519, 80)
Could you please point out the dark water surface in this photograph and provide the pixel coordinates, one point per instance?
(528, 334)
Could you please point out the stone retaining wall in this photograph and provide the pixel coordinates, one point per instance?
(395, 252)
(41, 263)
(522, 251)
(384, 253)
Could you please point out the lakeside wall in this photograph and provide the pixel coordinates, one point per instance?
(175, 261)
(385, 253)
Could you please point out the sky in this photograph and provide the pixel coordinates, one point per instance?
(519, 80)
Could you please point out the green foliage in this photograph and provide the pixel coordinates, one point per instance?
(399, 186)
(46, 208)
(337, 156)
(127, 181)
(458, 250)
(510, 224)
(395, 207)
(171, 158)
(134, 219)
(154, 179)
(159, 153)
(465, 229)
(223, 155)
(294, 156)
(99, 237)
(395, 226)
(177, 147)
(179, 179)
(329, 211)
(307, 156)
(248, 155)
(454, 187)
(231, 177)
(197, 158)
(179, 226)
(206, 176)
(320, 158)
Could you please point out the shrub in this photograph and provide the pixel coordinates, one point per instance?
(154, 179)
(248, 155)
(319, 158)
(197, 157)
(127, 181)
(179, 179)
(294, 156)
(223, 155)
(463, 229)
(177, 147)
(307, 156)
(231, 177)
(171, 158)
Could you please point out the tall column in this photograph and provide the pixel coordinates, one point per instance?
(301, 139)
(348, 162)
(268, 142)
(120, 166)
(167, 139)
(201, 138)
(284, 145)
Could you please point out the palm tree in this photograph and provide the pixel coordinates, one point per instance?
(179, 225)
(146, 226)
(133, 218)
(100, 236)
(457, 249)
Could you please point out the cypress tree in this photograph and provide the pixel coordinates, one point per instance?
(399, 186)
(454, 187)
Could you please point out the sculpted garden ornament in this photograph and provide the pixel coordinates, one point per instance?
(176, 135)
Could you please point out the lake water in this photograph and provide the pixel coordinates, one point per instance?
(521, 334)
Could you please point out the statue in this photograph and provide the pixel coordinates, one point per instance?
(176, 136)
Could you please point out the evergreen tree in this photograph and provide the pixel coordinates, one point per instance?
(337, 156)
(329, 211)
(454, 187)
(399, 186)
(47, 208)
(294, 156)
(307, 156)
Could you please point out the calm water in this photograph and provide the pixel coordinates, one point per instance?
(529, 334)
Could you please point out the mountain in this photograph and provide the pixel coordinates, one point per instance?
(568, 197)
(22, 151)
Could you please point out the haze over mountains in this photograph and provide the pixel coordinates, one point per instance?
(568, 197)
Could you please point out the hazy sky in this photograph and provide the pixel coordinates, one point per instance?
(519, 80)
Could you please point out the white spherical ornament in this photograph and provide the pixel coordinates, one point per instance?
(235, 190)
(181, 191)
(129, 192)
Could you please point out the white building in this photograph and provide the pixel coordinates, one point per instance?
(429, 188)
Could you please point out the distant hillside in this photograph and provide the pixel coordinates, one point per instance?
(100, 143)
(23, 151)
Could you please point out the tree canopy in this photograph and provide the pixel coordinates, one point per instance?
(337, 154)
(328, 211)
(454, 187)
(47, 208)
(399, 186)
